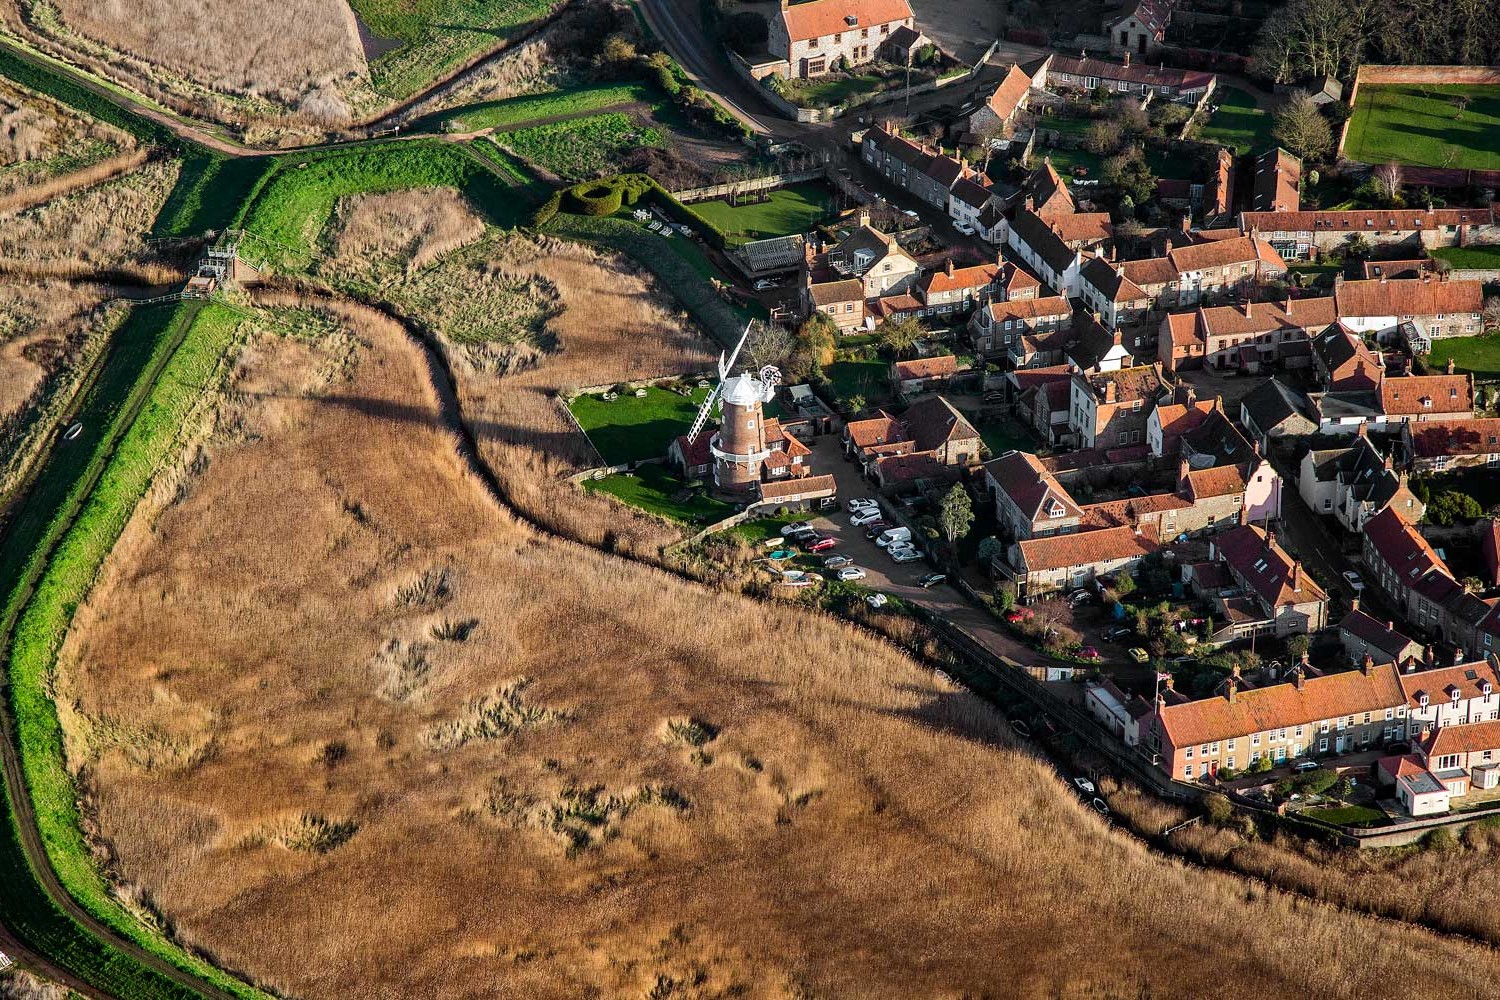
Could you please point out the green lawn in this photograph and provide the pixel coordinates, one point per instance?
(831, 91)
(786, 212)
(1476, 258)
(1421, 124)
(581, 148)
(1479, 355)
(651, 488)
(870, 379)
(1347, 815)
(293, 205)
(762, 528)
(1065, 160)
(1238, 123)
(517, 111)
(436, 36)
(1001, 436)
(631, 429)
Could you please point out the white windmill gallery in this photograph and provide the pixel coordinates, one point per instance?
(751, 457)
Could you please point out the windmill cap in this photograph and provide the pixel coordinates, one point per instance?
(744, 390)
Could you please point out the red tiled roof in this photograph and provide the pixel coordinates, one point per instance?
(1115, 513)
(1456, 437)
(916, 368)
(1440, 684)
(828, 17)
(1025, 378)
(1412, 395)
(1364, 220)
(1401, 546)
(1476, 738)
(1182, 328)
(1051, 306)
(792, 489)
(1278, 706)
(1134, 73)
(1150, 271)
(917, 465)
(879, 429)
(1220, 481)
(975, 276)
(1009, 94)
(1263, 317)
(696, 451)
(1277, 176)
(1220, 253)
(1085, 548)
(1082, 227)
(1401, 299)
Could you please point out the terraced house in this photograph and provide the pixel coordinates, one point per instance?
(1434, 307)
(1298, 235)
(1329, 714)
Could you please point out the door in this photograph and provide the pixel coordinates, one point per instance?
(1338, 745)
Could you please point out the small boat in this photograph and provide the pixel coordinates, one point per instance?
(73, 432)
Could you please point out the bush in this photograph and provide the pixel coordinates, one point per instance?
(596, 198)
(1218, 807)
(1440, 840)
(1450, 506)
(1316, 782)
(547, 210)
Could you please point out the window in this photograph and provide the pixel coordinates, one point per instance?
(1299, 732)
(1188, 753)
(1255, 740)
(837, 37)
(1187, 772)
(1323, 745)
(1229, 763)
(1389, 713)
(1229, 746)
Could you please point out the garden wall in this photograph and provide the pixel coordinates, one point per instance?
(767, 183)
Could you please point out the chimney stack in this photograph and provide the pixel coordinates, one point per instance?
(1367, 665)
(1431, 653)
(1249, 307)
(1354, 603)
(1299, 676)
(864, 215)
(1232, 684)
(1127, 57)
(1450, 366)
(1110, 391)
(1296, 574)
(948, 268)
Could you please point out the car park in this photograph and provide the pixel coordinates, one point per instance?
(932, 580)
(865, 517)
(851, 573)
(822, 545)
(804, 535)
(893, 536)
(837, 562)
(791, 529)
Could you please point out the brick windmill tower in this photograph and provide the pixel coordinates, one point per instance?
(739, 447)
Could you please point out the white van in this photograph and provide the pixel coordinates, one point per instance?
(886, 537)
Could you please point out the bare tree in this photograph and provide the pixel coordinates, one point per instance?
(1491, 313)
(769, 344)
(1301, 128)
(1387, 178)
(1460, 105)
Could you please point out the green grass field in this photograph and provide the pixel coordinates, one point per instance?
(1238, 123)
(517, 111)
(1421, 124)
(787, 211)
(651, 487)
(436, 36)
(1064, 161)
(294, 202)
(631, 429)
(1347, 815)
(1476, 257)
(581, 148)
(1479, 356)
(54, 546)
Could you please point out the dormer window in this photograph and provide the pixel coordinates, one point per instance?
(1422, 699)
(1485, 688)
(863, 258)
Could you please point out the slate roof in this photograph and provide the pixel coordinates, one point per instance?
(1271, 404)
(1037, 233)
(1111, 281)
(1381, 636)
(1029, 485)
(1266, 568)
(933, 421)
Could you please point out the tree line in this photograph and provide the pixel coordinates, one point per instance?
(1311, 38)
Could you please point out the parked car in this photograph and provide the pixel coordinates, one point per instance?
(1138, 654)
(1015, 615)
(1088, 653)
(789, 530)
(862, 503)
(1085, 786)
(1355, 583)
(837, 562)
(864, 517)
(964, 228)
(875, 529)
(877, 600)
(891, 536)
(804, 535)
(932, 580)
(1305, 765)
(1117, 633)
(1080, 598)
(822, 545)
(851, 573)
(906, 556)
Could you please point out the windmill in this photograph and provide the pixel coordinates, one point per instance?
(713, 394)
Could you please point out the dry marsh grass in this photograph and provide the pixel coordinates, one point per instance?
(101, 226)
(399, 231)
(41, 138)
(292, 54)
(863, 828)
(18, 984)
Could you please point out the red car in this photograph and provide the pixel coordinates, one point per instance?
(1019, 615)
(822, 545)
(1089, 653)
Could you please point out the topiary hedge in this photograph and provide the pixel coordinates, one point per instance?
(596, 197)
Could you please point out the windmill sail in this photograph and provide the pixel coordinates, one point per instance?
(713, 394)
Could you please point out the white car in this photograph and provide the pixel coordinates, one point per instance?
(764, 285)
(864, 517)
(964, 227)
(1355, 583)
(906, 555)
(877, 600)
(861, 503)
(851, 573)
(791, 529)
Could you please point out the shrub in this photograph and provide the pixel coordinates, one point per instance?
(1440, 840)
(1317, 782)
(596, 198)
(1218, 807)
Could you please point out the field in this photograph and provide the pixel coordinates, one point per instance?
(294, 205)
(787, 211)
(1238, 123)
(202, 52)
(1483, 257)
(1423, 124)
(1479, 355)
(41, 139)
(114, 459)
(651, 488)
(436, 36)
(309, 701)
(514, 111)
(1066, 160)
(100, 226)
(580, 148)
(630, 428)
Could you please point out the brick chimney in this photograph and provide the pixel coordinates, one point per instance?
(864, 215)
(1249, 308)
(1368, 665)
(1297, 574)
(1299, 676)
(1127, 57)
(1232, 684)
(1450, 366)
(1431, 655)
(948, 267)
(1110, 391)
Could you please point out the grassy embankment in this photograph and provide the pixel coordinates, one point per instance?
(132, 416)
